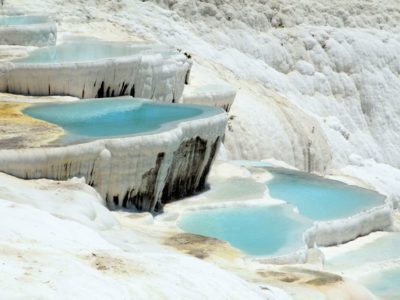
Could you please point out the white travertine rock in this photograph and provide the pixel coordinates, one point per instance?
(42, 34)
(145, 76)
(48, 254)
(340, 231)
(211, 95)
(205, 88)
(255, 47)
(143, 171)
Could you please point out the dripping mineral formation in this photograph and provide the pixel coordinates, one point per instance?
(27, 31)
(95, 69)
(144, 170)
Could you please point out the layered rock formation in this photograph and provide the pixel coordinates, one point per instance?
(212, 95)
(37, 34)
(145, 75)
(141, 171)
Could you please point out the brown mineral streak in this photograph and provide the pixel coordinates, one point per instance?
(18, 130)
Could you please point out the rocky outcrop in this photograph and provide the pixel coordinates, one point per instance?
(138, 171)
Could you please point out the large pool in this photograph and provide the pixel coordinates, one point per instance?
(318, 198)
(254, 230)
(83, 50)
(93, 119)
(22, 20)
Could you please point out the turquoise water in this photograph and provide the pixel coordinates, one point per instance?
(93, 119)
(319, 198)
(277, 230)
(384, 284)
(22, 20)
(254, 230)
(235, 189)
(251, 163)
(82, 51)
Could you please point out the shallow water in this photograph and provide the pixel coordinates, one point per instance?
(319, 198)
(84, 50)
(93, 119)
(22, 20)
(235, 189)
(381, 249)
(254, 230)
(384, 284)
(252, 163)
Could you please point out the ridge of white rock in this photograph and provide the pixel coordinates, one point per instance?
(340, 231)
(39, 35)
(72, 199)
(150, 76)
(207, 89)
(143, 171)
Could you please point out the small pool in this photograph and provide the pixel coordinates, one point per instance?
(22, 20)
(319, 198)
(255, 230)
(92, 119)
(275, 230)
(84, 50)
(384, 284)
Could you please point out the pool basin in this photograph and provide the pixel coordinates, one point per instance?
(318, 198)
(255, 230)
(27, 30)
(107, 118)
(88, 68)
(135, 153)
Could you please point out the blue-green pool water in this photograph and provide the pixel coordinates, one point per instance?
(22, 20)
(83, 50)
(318, 198)
(260, 230)
(254, 230)
(93, 119)
(384, 284)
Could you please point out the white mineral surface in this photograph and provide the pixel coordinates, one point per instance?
(317, 85)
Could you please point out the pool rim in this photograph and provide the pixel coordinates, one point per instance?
(211, 112)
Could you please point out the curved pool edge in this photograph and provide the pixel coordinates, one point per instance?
(205, 112)
(23, 131)
(144, 171)
(142, 75)
(38, 35)
(340, 231)
(323, 234)
(320, 234)
(220, 98)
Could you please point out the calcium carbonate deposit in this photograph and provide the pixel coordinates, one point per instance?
(278, 132)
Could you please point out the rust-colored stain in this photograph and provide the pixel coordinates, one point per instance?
(201, 247)
(21, 131)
